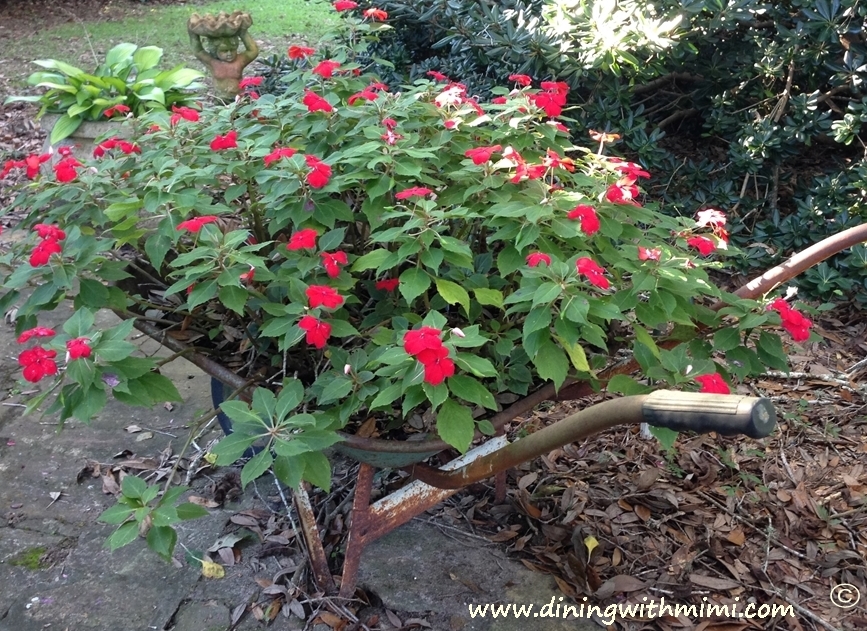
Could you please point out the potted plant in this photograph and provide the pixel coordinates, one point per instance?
(127, 82)
(405, 257)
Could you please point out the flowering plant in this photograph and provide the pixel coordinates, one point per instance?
(128, 82)
(366, 251)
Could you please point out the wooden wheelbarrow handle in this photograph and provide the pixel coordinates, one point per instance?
(725, 414)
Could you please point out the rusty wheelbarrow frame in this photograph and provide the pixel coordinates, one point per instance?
(726, 414)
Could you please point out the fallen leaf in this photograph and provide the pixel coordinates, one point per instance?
(393, 619)
(711, 582)
(144, 436)
(737, 537)
(132, 429)
(591, 543)
(202, 501)
(212, 570)
(226, 541)
(109, 485)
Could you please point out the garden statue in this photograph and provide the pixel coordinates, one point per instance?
(223, 33)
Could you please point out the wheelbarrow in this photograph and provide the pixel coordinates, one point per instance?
(725, 414)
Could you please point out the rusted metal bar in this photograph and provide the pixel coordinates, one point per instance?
(370, 522)
(318, 560)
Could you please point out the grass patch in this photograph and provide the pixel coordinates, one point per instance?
(276, 24)
(29, 559)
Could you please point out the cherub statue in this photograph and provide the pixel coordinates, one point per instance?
(223, 33)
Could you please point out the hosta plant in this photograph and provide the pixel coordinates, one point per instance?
(129, 81)
(361, 251)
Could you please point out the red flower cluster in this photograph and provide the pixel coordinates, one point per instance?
(65, 169)
(79, 348)
(588, 218)
(426, 346)
(326, 68)
(279, 152)
(593, 271)
(645, 254)
(117, 109)
(227, 141)
(553, 160)
(794, 321)
(183, 113)
(375, 14)
(38, 362)
(300, 52)
(480, 155)
(249, 82)
(344, 5)
(31, 163)
(520, 79)
(388, 284)
(320, 173)
(530, 171)
(318, 331)
(107, 145)
(552, 98)
(196, 223)
(50, 235)
(333, 261)
(415, 191)
(535, 258)
(713, 384)
(714, 219)
(39, 331)
(622, 194)
(316, 103)
(323, 296)
(704, 245)
(302, 240)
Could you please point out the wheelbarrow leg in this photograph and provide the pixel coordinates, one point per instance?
(318, 560)
(357, 530)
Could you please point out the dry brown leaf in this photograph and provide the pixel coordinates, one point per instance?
(202, 501)
(332, 620)
(712, 582)
(393, 619)
(503, 535)
(642, 511)
(109, 485)
(737, 536)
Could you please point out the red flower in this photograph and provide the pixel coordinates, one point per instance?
(196, 223)
(11, 164)
(318, 331)
(323, 296)
(299, 52)
(247, 82)
(43, 251)
(116, 109)
(316, 103)
(389, 123)
(498, 100)
(388, 284)
(521, 79)
(645, 254)
(631, 172)
(79, 348)
(415, 191)
(38, 362)
(558, 125)
(321, 172)
(39, 331)
(365, 94)
(550, 101)
(713, 384)
(332, 262)
(279, 152)
(183, 112)
(32, 162)
(480, 155)
(344, 5)
(326, 68)
(704, 245)
(375, 14)
(793, 320)
(622, 194)
(603, 136)
(587, 216)
(227, 141)
(535, 258)
(438, 76)
(247, 277)
(594, 273)
(49, 231)
(437, 365)
(303, 240)
(418, 340)
(65, 169)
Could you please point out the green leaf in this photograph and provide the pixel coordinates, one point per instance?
(726, 339)
(133, 486)
(289, 470)
(453, 293)
(116, 514)
(232, 447)
(317, 469)
(479, 366)
(91, 293)
(234, 297)
(492, 297)
(509, 260)
(435, 394)
(257, 465)
(79, 324)
(162, 540)
(336, 390)
(386, 396)
(547, 293)
(455, 425)
(643, 338)
(289, 398)
(576, 354)
(124, 535)
(160, 388)
(147, 57)
(114, 350)
(471, 390)
(771, 352)
(64, 128)
(627, 386)
(551, 363)
(413, 283)
(666, 437)
(188, 510)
